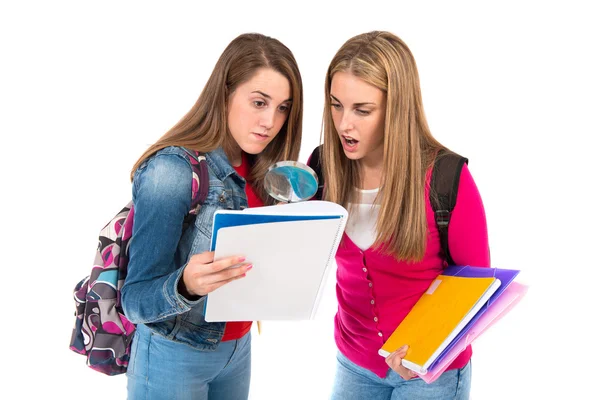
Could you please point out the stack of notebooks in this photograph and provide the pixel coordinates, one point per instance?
(459, 306)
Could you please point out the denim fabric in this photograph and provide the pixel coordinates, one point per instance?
(163, 369)
(160, 248)
(356, 383)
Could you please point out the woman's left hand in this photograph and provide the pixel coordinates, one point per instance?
(394, 361)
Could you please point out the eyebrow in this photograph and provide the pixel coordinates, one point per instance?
(355, 104)
(269, 97)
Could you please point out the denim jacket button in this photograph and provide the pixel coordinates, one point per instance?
(222, 198)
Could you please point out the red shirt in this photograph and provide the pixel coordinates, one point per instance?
(236, 330)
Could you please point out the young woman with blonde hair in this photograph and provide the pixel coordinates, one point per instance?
(248, 116)
(377, 156)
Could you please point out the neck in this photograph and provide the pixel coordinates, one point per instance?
(236, 161)
(234, 155)
(371, 170)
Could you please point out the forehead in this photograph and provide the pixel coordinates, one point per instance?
(350, 88)
(270, 82)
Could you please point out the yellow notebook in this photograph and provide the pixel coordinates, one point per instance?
(439, 315)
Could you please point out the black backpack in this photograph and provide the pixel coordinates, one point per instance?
(444, 188)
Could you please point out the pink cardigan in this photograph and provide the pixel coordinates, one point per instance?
(375, 292)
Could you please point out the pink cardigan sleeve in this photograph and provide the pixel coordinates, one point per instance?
(467, 232)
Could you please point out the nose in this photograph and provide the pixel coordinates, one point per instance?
(346, 122)
(267, 119)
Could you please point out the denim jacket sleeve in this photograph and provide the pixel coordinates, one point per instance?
(162, 189)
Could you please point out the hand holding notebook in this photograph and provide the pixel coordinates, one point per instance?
(438, 317)
(394, 361)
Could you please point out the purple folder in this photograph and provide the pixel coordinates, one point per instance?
(505, 276)
(506, 302)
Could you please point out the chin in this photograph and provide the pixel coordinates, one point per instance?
(354, 155)
(253, 148)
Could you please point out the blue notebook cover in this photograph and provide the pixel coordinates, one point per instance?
(224, 220)
(506, 276)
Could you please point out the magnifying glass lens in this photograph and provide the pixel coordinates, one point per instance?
(291, 181)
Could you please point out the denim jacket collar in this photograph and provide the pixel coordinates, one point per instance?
(219, 163)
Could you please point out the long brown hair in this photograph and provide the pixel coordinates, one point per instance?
(204, 127)
(384, 61)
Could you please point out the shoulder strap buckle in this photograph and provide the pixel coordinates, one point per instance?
(442, 218)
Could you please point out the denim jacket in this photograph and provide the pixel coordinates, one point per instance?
(160, 248)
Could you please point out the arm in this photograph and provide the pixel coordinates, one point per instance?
(157, 287)
(161, 199)
(467, 232)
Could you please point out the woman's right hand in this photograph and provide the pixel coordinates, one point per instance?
(202, 274)
(394, 361)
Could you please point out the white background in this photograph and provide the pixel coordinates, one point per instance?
(512, 85)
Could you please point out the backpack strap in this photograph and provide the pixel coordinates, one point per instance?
(442, 196)
(200, 182)
(200, 179)
(315, 163)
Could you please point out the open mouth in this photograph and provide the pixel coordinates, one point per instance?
(350, 141)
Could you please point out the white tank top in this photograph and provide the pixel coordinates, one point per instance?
(362, 219)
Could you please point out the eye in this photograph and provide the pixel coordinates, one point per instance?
(259, 103)
(284, 108)
(336, 106)
(362, 112)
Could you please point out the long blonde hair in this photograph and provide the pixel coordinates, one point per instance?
(204, 127)
(384, 61)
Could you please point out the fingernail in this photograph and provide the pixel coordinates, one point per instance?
(242, 259)
(249, 267)
(404, 348)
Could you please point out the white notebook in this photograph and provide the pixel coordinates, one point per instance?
(291, 247)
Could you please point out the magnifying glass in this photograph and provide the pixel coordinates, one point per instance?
(291, 181)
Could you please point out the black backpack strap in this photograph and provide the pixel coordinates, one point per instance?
(315, 163)
(442, 196)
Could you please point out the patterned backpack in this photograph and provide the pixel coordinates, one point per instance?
(102, 332)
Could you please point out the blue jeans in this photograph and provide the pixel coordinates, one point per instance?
(356, 383)
(162, 369)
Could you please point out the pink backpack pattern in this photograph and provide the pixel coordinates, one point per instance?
(102, 332)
